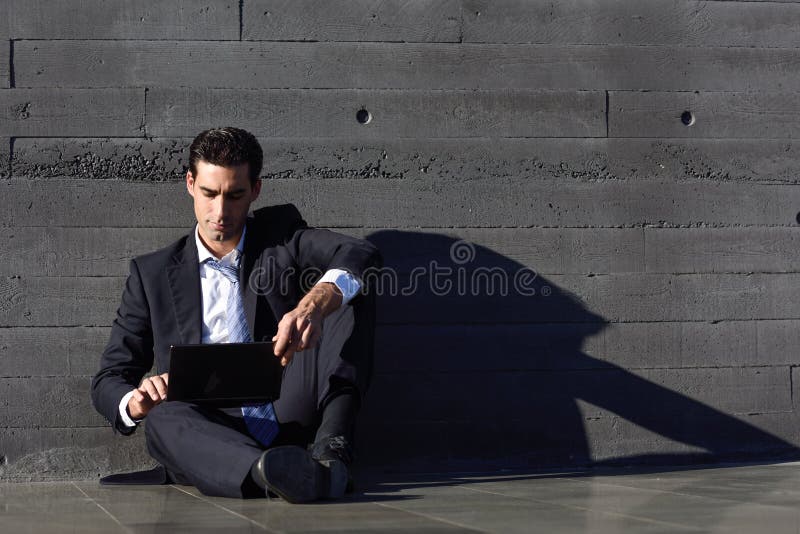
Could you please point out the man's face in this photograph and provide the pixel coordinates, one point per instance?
(222, 197)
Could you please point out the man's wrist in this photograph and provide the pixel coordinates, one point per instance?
(324, 298)
(124, 415)
(346, 283)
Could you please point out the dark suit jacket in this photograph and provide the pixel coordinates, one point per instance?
(161, 302)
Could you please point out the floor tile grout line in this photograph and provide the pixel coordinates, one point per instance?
(585, 509)
(431, 517)
(690, 495)
(103, 508)
(237, 514)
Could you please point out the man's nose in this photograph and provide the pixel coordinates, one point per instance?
(221, 208)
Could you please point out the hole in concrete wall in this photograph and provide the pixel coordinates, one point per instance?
(798, 218)
(687, 118)
(363, 116)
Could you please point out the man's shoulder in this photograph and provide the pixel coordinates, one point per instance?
(158, 259)
(277, 214)
(278, 221)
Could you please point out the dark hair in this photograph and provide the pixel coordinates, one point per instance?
(227, 147)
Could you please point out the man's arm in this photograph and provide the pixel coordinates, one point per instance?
(345, 259)
(128, 354)
(300, 328)
(315, 248)
(347, 284)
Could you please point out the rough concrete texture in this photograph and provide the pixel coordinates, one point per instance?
(361, 20)
(622, 286)
(551, 346)
(69, 112)
(709, 115)
(55, 251)
(146, 19)
(277, 65)
(4, 33)
(68, 453)
(722, 249)
(686, 23)
(589, 298)
(5, 157)
(544, 159)
(175, 112)
(44, 251)
(377, 203)
(100, 159)
(5, 60)
(69, 351)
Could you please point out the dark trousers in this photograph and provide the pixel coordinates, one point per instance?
(211, 448)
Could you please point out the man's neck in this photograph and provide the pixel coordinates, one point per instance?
(219, 248)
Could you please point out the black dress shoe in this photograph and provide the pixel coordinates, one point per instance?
(294, 475)
(335, 448)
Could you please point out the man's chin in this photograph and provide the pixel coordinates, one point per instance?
(215, 235)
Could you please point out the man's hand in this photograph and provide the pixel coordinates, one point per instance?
(301, 328)
(151, 392)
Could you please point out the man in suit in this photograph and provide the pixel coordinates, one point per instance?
(237, 278)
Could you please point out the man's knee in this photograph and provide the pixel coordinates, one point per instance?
(341, 319)
(154, 421)
(162, 416)
(159, 411)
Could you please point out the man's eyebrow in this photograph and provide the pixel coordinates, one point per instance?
(214, 192)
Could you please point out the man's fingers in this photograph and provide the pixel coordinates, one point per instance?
(140, 404)
(307, 339)
(305, 328)
(288, 354)
(165, 377)
(282, 340)
(151, 390)
(295, 332)
(160, 385)
(280, 346)
(138, 396)
(302, 322)
(288, 338)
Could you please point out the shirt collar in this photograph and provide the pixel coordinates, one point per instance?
(232, 257)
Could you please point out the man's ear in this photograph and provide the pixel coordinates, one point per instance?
(190, 182)
(256, 188)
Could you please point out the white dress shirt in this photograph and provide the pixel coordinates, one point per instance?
(215, 289)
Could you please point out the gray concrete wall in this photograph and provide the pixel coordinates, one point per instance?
(548, 136)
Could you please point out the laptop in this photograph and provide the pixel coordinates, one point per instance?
(224, 374)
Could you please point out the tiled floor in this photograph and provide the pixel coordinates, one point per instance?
(747, 498)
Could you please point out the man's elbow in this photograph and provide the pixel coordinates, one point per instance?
(374, 257)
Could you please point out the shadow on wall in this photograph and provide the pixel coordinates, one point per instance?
(472, 375)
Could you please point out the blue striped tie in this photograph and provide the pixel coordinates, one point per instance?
(260, 419)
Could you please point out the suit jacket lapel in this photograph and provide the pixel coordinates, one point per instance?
(184, 283)
(249, 256)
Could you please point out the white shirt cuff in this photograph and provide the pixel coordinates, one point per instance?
(348, 284)
(123, 410)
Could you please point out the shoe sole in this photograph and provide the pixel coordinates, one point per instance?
(338, 478)
(296, 477)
